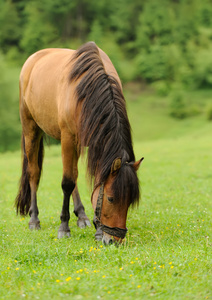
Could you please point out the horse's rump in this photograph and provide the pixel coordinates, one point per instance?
(44, 88)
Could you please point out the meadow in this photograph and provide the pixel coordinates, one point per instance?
(167, 253)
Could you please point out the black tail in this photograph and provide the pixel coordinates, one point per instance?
(23, 199)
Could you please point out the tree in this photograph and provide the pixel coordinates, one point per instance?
(9, 24)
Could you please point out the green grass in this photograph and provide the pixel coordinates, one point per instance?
(149, 114)
(168, 250)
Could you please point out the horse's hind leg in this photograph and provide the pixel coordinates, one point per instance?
(34, 152)
(79, 210)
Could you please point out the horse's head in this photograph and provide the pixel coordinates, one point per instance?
(112, 198)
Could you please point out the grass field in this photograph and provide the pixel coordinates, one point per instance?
(168, 249)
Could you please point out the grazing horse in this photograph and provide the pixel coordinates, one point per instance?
(75, 96)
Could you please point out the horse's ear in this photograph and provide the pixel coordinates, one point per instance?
(116, 165)
(136, 165)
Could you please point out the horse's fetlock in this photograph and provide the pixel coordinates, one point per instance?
(64, 217)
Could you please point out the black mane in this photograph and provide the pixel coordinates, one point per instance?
(104, 124)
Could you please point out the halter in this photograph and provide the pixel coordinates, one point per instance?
(114, 231)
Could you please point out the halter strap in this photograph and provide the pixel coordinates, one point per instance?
(99, 205)
(114, 231)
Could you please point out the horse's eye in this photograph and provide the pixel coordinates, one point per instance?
(110, 199)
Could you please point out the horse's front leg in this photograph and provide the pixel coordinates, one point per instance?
(67, 187)
(70, 173)
(79, 210)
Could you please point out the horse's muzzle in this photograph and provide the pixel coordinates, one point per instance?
(107, 239)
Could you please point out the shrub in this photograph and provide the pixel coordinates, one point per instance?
(178, 107)
(203, 68)
(209, 112)
(193, 110)
(161, 87)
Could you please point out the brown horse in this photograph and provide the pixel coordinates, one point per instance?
(76, 97)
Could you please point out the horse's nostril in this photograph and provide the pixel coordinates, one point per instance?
(110, 242)
(107, 239)
(107, 242)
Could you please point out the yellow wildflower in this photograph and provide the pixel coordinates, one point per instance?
(67, 279)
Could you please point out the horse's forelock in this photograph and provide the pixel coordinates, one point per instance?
(125, 186)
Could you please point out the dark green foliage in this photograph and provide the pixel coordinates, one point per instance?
(154, 65)
(10, 32)
(209, 112)
(168, 40)
(9, 117)
(164, 43)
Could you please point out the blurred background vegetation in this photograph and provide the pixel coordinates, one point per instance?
(160, 47)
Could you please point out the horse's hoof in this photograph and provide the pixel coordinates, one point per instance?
(34, 226)
(98, 235)
(82, 223)
(62, 234)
